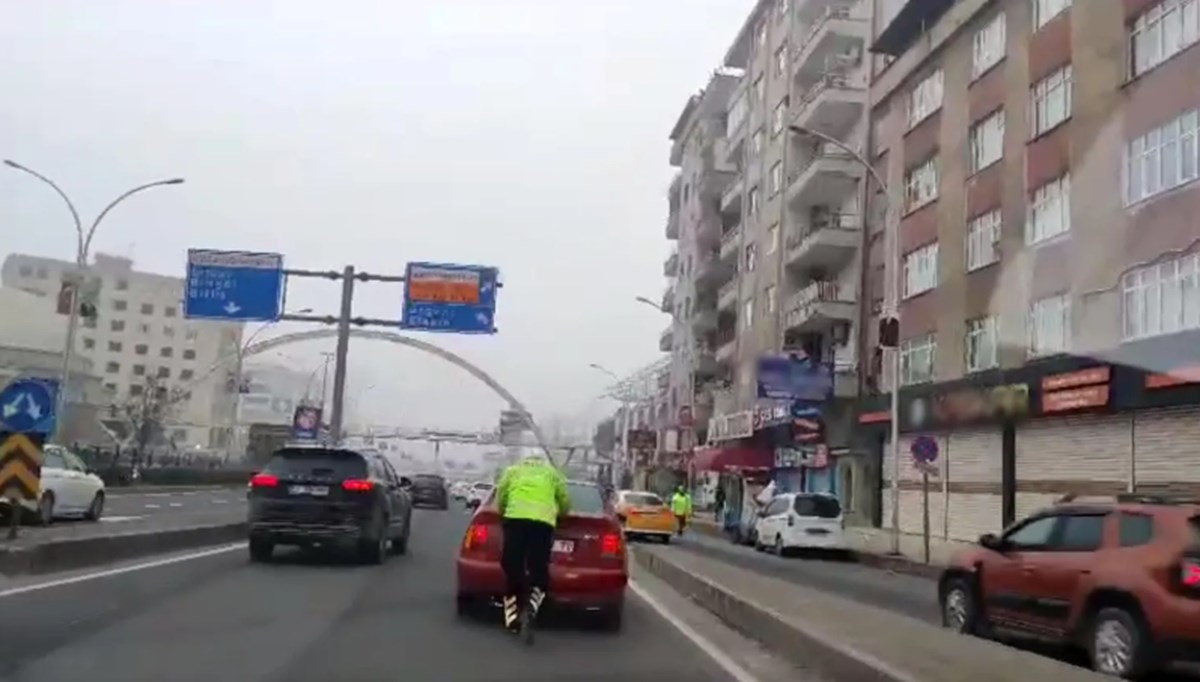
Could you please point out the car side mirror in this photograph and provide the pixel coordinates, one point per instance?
(405, 482)
(992, 542)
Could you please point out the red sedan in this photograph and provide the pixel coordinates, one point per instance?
(588, 569)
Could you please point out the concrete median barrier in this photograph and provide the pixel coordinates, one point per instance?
(841, 639)
(61, 554)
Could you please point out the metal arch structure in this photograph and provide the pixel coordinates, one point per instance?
(641, 385)
(402, 340)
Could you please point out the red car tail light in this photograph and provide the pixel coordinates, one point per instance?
(477, 537)
(1189, 573)
(358, 485)
(264, 481)
(610, 544)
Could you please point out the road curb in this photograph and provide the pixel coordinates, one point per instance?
(70, 553)
(792, 642)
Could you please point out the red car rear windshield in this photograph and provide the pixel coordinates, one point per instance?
(335, 464)
(585, 499)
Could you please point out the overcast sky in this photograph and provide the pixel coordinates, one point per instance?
(526, 134)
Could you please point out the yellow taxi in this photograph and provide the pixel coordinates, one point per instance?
(644, 514)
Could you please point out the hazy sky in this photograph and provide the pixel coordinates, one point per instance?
(526, 134)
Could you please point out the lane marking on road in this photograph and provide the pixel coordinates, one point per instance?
(153, 506)
(118, 519)
(219, 501)
(723, 661)
(175, 504)
(12, 592)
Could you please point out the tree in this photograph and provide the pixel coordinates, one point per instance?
(148, 407)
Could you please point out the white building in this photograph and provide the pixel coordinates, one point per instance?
(139, 332)
(272, 393)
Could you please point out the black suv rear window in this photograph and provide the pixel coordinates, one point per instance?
(337, 464)
(429, 479)
(819, 506)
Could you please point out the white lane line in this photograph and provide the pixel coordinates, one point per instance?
(118, 571)
(118, 519)
(175, 504)
(726, 663)
(219, 501)
(153, 506)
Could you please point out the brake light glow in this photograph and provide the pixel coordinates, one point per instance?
(264, 481)
(477, 536)
(610, 544)
(1190, 573)
(357, 485)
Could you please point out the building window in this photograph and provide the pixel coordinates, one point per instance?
(168, 331)
(170, 311)
(1049, 211)
(1050, 326)
(1045, 10)
(114, 346)
(120, 305)
(1051, 101)
(1162, 298)
(987, 46)
(781, 60)
(758, 91)
(141, 349)
(186, 375)
(147, 308)
(139, 370)
(782, 7)
(42, 273)
(117, 325)
(925, 99)
(921, 185)
(983, 235)
(1162, 159)
(25, 271)
(772, 238)
(89, 344)
(112, 367)
(1161, 32)
(987, 141)
(769, 296)
(748, 314)
(762, 35)
(916, 360)
(122, 285)
(89, 322)
(775, 182)
(136, 389)
(189, 354)
(751, 257)
(753, 202)
(192, 334)
(756, 144)
(981, 344)
(166, 352)
(164, 372)
(778, 117)
(920, 270)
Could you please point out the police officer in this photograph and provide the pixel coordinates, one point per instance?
(532, 494)
(681, 506)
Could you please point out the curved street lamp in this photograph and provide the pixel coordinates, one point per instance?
(83, 245)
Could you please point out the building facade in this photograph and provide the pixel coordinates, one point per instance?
(1042, 157)
(138, 333)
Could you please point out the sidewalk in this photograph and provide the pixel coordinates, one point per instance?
(872, 547)
(842, 639)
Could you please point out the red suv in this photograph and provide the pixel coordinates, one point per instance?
(1119, 579)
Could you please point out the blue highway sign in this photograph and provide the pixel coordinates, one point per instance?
(233, 285)
(459, 299)
(27, 406)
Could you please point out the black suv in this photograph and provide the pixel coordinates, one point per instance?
(430, 490)
(329, 496)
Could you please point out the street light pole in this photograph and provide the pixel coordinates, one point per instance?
(894, 310)
(689, 389)
(626, 409)
(83, 245)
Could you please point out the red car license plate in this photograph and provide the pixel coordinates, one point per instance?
(564, 546)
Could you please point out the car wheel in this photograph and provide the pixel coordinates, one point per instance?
(45, 509)
(261, 550)
(665, 539)
(374, 548)
(1118, 643)
(610, 618)
(96, 509)
(400, 544)
(960, 610)
(779, 548)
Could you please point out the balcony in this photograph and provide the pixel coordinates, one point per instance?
(712, 272)
(666, 340)
(731, 199)
(829, 243)
(674, 191)
(731, 242)
(832, 105)
(835, 42)
(817, 306)
(704, 320)
(727, 296)
(830, 176)
(664, 380)
(705, 363)
(726, 351)
(668, 299)
(672, 231)
(671, 266)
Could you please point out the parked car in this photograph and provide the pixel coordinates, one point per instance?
(479, 492)
(1119, 580)
(588, 569)
(459, 491)
(329, 497)
(69, 489)
(643, 514)
(801, 521)
(430, 490)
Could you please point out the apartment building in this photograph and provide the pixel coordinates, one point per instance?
(1043, 159)
(139, 332)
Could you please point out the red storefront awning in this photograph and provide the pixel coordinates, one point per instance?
(734, 458)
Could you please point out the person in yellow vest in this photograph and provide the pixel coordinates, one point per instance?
(532, 494)
(681, 507)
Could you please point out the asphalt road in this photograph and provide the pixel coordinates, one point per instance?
(312, 618)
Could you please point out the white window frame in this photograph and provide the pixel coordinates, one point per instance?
(1049, 213)
(983, 238)
(1161, 32)
(1163, 159)
(1045, 10)
(920, 270)
(1159, 299)
(1050, 101)
(775, 178)
(779, 117)
(769, 295)
(757, 141)
(781, 60)
(772, 238)
(918, 360)
(925, 98)
(748, 314)
(986, 141)
(1049, 325)
(987, 45)
(982, 343)
(921, 184)
(753, 201)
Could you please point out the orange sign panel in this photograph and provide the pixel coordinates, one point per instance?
(1075, 399)
(433, 285)
(1176, 377)
(1084, 377)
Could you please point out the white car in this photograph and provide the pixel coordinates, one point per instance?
(801, 521)
(68, 489)
(478, 493)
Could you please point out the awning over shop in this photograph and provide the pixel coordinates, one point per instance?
(731, 458)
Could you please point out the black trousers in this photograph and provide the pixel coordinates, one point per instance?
(527, 547)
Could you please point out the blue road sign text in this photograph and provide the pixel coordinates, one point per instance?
(458, 299)
(27, 406)
(233, 285)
